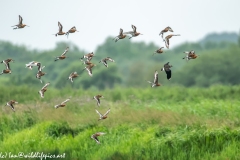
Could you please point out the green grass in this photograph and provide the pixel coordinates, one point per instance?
(155, 123)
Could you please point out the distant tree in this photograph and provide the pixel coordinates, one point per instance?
(239, 38)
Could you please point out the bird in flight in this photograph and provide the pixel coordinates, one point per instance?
(155, 81)
(103, 116)
(120, 36)
(20, 24)
(63, 104)
(133, 33)
(167, 70)
(95, 136)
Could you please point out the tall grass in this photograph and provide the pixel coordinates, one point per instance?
(154, 123)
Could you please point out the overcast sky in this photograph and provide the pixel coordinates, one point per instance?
(98, 19)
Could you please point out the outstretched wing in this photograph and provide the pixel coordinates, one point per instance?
(169, 74)
(7, 65)
(98, 100)
(121, 32)
(167, 42)
(60, 27)
(20, 19)
(99, 113)
(95, 138)
(107, 112)
(155, 77)
(65, 101)
(66, 50)
(134, 28)
(110, 59)
(89, 69)
(45, 85)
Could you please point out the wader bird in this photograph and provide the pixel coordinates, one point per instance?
(72, 30)
(103, 116)
(167, 70)
(63, 55)
(63, 104)
(40, 73)
(31, 64)
(97, 98)
(43, 90)
(155, 81)
(120, 36)
(60, 32)
(94, 136)
(7, 70)
(159, 51)
(133, 33)
(11, 103)
(104, 61)
(165, 30)
(73, 75)
(20, 25)
(190, 55)
(166, 40)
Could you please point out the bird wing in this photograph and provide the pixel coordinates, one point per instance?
(65, 101)
(107, 112)
(60, 27)
(167, 42)
(110, 59)
(134, 28)
(98, 100)
(45, 85)
(89, 71)
(95, 138)
(121, 32)
(20, 19)
(66, 50)
(169, 74)
(99, 114)
(105, 62)
(41, 93)
(7, 65)
(155, 77)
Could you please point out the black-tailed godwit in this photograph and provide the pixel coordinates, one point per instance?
(43, 90)
(11, 103)
(31, 64)
(63, 55)
(104, 61)
(133, 33)
(60, 32)
(63, 104)
(72, 30)
(120, 36)
(190, 55)
(73, 75)
(7, 70)
(165, 30)
(159, 51)
(20, 24)
(40, 73)
(103, 116)
(97, 98)
(94, 136)
(155, 81)
(166, 40)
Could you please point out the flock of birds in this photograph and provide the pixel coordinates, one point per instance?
(89, 65)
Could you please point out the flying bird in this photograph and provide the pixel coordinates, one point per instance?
(20, 24)
(73, 75)
(11, 103)
(97, 98)
(167, 70)
(72, 30)
(190, 55)
(88, 56)
(40, 73)
(94, 136)
(133, 33)
(89, 68)
(63, 55)
(166, 40)
(43, 90)
(104, 61)
(120, 36)
(63, 104)
(165, 30)
(155, 81)
(103, 116)
(7, 70)
(159, 51)
(31, 64)
(7, 60)
(60, 32)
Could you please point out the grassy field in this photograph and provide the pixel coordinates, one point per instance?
(154, 123)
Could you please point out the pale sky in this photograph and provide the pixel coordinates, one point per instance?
(98, 19)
